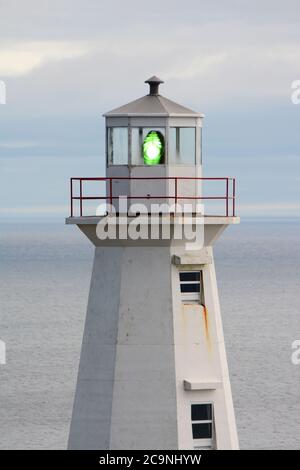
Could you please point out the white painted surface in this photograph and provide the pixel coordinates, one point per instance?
(2, 352)
(140, 344)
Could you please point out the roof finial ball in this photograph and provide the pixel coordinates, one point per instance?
(154, 83)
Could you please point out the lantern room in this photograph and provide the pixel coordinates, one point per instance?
(153, 151)
(153, 131)
(153, 137)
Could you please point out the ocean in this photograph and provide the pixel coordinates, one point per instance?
(45, 271)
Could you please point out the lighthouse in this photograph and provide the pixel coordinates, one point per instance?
(153, 372)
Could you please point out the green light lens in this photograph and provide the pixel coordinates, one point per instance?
(153, 148)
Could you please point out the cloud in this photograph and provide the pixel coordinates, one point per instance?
(21, 58)
(198, 66)
(65, 62)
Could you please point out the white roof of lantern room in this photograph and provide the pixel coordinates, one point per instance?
(153, 104)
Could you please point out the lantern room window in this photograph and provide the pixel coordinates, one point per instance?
(147, 146)
(117, 145)
(152, 146)
(182, 145)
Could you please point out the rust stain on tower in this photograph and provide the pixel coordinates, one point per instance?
(206, 325)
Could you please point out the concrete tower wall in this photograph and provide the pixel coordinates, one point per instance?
(147, 356)
(144, 398)
(200, 359)
(91, 420)
(126, 394)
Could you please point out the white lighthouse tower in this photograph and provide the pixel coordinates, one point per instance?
(153, 370)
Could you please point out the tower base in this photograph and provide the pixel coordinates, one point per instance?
(153, 371)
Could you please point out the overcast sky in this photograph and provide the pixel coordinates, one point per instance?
(66, 62)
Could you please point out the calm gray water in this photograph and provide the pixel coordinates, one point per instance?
(45, 272)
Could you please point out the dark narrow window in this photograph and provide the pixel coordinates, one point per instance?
(202, 425)
(201, 412)
(190, 286)
(202, 430)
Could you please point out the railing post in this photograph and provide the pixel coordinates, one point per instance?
(110, 192)
(71, 194)
(80, 185)
(233, 197)
(227, 191)
(176, 190)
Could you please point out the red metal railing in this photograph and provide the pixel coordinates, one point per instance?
(228, 197)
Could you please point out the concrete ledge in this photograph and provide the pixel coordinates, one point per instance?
(208, 220)
(185, 260)
(190, 385)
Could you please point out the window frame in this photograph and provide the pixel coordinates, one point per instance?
(109, 160)
(203, 442)
(177, 161)
(191, 297)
